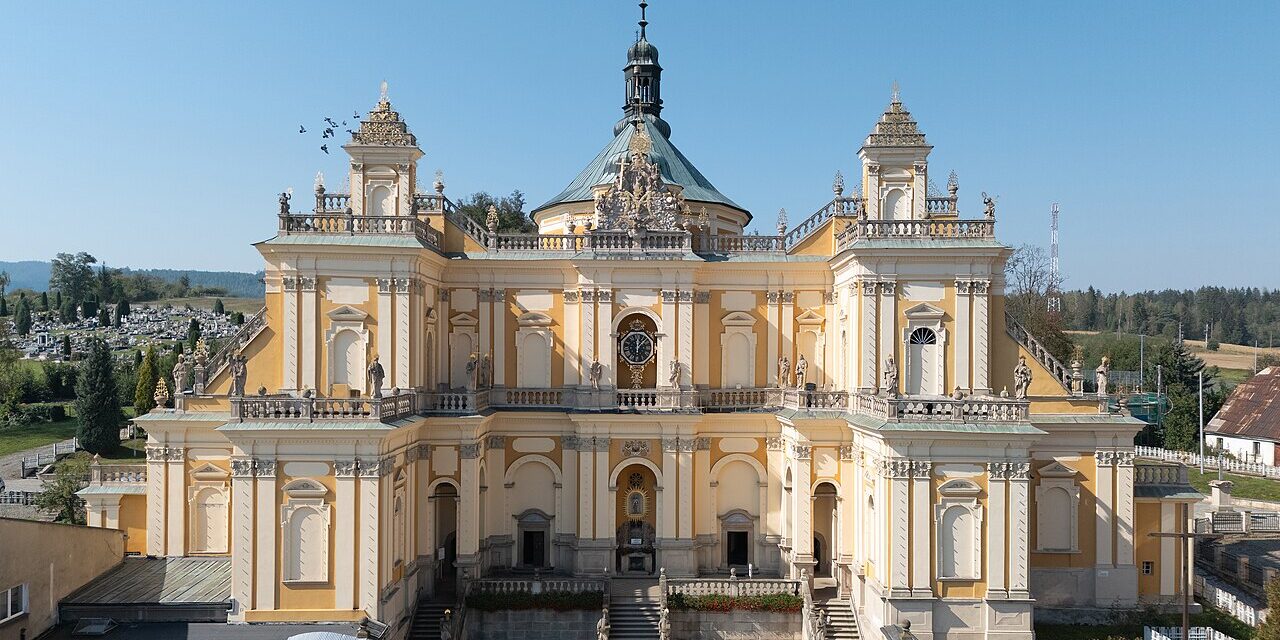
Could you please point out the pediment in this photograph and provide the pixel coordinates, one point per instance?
(534, 319)
(347, 313)
(738, 319)
(207, 472)
(305, 488)
(959, 487)
(1056, 469)
(809, 317)
(463, 320)
(924, 311)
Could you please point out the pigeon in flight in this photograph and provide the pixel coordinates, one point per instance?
(355, 115)
(302, 129)
(351, 132)
(331, 122)
(328, 133)
(325, 148)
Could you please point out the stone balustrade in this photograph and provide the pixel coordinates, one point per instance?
(332, 202)
(348, 224)
(941, 205)
(1038, 351)
(734, 587)
(737, 399)
(100, 474)
(386, 409)
(838, 207)
(930, 409)
(537, 585)
(915, 229)
(739, 244)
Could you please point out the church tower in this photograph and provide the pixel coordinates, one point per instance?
(895, 166)
(644, 82)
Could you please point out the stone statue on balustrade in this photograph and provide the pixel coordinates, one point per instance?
(284, 202)
(989, 205)
(473, 368)
(673, 378)
(180, 371)
(376, 375)
(239, 371)
(802, 371)
(1021, 379)
(891, 377)
(784, 371)
(486, 372)
(1103, 373)
(595, 372)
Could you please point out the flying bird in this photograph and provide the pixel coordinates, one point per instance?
(355, 115)
(328, 133)
(331, 122)
(351, 132)
(325, 148)
(302, 129)
(344, 123)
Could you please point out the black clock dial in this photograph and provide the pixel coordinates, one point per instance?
(637, 348)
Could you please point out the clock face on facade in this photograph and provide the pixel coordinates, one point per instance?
(637, 347)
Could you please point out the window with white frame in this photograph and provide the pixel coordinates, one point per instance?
(13, 602)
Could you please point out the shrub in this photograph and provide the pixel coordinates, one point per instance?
(553, 600)
(775, 602)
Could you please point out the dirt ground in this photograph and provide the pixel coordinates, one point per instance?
(1228, 356)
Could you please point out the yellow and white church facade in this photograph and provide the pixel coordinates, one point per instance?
(641, 384)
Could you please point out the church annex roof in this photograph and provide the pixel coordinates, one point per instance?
(675, 167)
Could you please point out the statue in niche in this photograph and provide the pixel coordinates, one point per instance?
(784, 371)
(1021, 379)
(1103, 372)
(802, 371)
(891, 377)
(239, 371)
(595, 372)
(376, 375)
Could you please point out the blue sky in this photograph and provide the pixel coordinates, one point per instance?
(157, 135)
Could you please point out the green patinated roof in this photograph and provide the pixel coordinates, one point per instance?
(347, 240)
(676, 169)
(113, 490)
(1086, 418)
(325, 425)
(993, 428)
(172, 415)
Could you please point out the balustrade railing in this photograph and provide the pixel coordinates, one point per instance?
(736, 399)
(533, 397)
(118, 474)
(1042, 355)
(734, 587)
(817, 399)
(332, 202)
(462, 402)
(386, 409)
(739, 244)
(969, 409)
(1229, 465)
(240, 340)
(839, 207)
(348, 224)
(941, 205)
(1148, 474)
(537, 585)
(915, 229)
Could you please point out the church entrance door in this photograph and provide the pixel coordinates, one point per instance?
(534, 548)
(736, 541)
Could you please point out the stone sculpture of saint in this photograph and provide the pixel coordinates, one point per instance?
(602, 628)
(674, 376)
(891, 377)
(802, 370)
(784, 371)
(595, 373)
(989, 204)
(1021, 379)
(180, 374)
(1103, 372)
(284, 202)
(473, 365)
(376, 374)
(239, 371)
(486, 371)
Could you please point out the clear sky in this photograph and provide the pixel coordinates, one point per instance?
(158, 134)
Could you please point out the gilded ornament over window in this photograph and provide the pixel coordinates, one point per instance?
(638, 199)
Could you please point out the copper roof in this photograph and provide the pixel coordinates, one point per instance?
(1253, 409)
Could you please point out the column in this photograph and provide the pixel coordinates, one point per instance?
(684, 354)
(773, 299)
(242, 538)
(997, 542)
(921, 525)
(443, 373)
(899, 521)
(702, 339)
(919, 191)
(485, 311)
(175, 487)
(268, 516)
(309, 348)
(572, 338)
(667, 336)
(802, 489)
(289, 329)
(670, 488)
(606, 495)
(1105, 501)
(685, 459)
(586, 472)
(605, 345)
(868, 382)
(1124, 508)
(981, 337)
(588, 351)
(872, 197)
(344, 534)
(888, 325)
(962, 338)
(1020, 529)
(386, 325)
(702, 479)
(788, 313)
(500, 337)
(155, 501)
(401, 370)
(370, 472)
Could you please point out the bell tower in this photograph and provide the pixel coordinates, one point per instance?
(643, 82)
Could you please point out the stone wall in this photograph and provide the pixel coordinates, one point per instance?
(736, 625)
(532, 624)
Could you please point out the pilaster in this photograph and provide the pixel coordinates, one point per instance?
(386, 328)
(605, 345)
(1019, 530)
(667, 335)
(684, 301)
(589, 334)
(309, 346)
(156, 498)
(669, 480)
(702, 340)
(997, 521)
(175, 486)
(897, 476)
(980, 290)
(572, 339)
(344, 533)
(586, 476)
(500, 337)
(443, 368)
(268, 518)
(868, 381)
(702, 478)
(963, 335)
(370, 475)
(606, 494)
(888, 324)
(921, 526)
(1124, 508)
(400, 373)
(919, 190)
(802, 489)
(788, 311)
(289, 331)
(1105, 506)
(772, 327)
(685, 459)
(485, 311)
(242, 538)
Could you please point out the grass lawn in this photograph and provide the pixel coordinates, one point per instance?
(248, 306)
(1131, 626)
(1248, 487)
(1232, 377)
(13, 440)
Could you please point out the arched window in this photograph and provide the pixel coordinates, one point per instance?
(924, 335)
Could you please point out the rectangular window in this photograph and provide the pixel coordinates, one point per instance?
(13, 602)
(1257, 448)
(1148, 567)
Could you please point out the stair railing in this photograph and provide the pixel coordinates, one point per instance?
(664, 620)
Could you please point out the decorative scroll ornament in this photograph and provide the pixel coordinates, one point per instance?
(383, 126)
(638, 199)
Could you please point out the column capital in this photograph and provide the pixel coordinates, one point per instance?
(571, 296)
(702, 297)
(347, 468)
(469, 451)
(495, 442)
(264, 468)
(242, 467)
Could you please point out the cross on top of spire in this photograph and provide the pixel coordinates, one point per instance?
(643, 22)
(896, 97)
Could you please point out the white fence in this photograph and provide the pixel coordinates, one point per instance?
(1210, 462)
(1240, 605)
(17, 497)
(1175, 633)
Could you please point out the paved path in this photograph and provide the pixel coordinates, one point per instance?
(11, 465)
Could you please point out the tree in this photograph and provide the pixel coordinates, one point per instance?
(72, 274)
(59, 496)
(89, 309)
(22, 317)
(67, 312)
(237, 318)
(97, 400)
(106, 290)
(1270, 628)
(4, 307)
(44, 300)
(148, 375)
(117, 315)
(193, 334)
(123, 306)
(184, 283)
(217, 307)
(1030, 281)
(511, 215)
(57, 300)
(104, 319)
(66, 345)
(4, 282)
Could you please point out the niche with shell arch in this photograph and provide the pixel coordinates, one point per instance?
(304, 519)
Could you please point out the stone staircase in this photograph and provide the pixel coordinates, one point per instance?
(426, 620)
(842, 624)
(633, 609)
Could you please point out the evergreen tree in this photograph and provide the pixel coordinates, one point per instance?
(193, 334)
(60, 497)
(66, 345)
(89, 309)
(123, 305)
(97, 401)
(44, 300)
(57, 299)
(4, 307)
(22, 317)
(237, 318)
(217, 306)
(177, 348)
(104, 319)
(1270, 628)
(148, 375)
(137, 359)
(117, 315)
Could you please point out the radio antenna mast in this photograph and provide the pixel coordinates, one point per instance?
(1055, 296)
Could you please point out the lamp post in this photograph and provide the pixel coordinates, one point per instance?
(1188, 569)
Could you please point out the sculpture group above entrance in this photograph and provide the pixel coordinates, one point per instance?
(638, 199)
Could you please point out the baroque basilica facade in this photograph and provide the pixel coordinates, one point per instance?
(640, 384)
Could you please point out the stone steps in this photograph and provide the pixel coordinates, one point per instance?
(426, 621)
(842, 624)
(633, 618)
